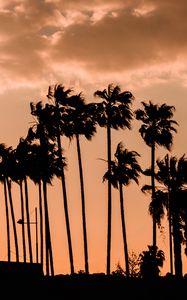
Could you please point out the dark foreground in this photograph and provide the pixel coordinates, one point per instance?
(95, 286)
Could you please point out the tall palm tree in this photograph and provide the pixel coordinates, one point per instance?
(172, 174)
(21, 154)
(4, 154)
(7, 170)
(7, 219)
(124, 170)
(158, 209)
(9, 185)
(17, 178)
(59, 98)
(39, 132)
(80, 122)
(164, 171)
(157, 129)
(113, 112)
(35, 174)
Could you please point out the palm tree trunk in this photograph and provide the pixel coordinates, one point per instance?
(23, 219)
(36, 233)
(153, 194)
(28, 220)
(124, 230)
(49, 255)
(177, 249)
(41, 223)
(176, 237)
(46, 236)
(7, 220)
(65, 204)
(13, 220)
(170, 235)
(83, 206)
(109, 196)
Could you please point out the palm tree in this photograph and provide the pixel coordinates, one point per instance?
(21, 154)
(17, 177)
(79, 121)
(124, 170)
(172, 175)
(113, 112)
(35, 174)
(7, 170)
(59, 98)
(4, 153)
(149, 266)
(164, 171)
(158, 207)
(157, 129)
(9, 185)
(7, 219)
(39, 132)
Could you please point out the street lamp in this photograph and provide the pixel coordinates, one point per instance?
(21, 221)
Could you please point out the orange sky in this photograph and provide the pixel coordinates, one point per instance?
(138, 44)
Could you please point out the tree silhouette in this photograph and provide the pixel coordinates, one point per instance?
(172, 174)
(124, 170)
(4, 155)
(157, 129)
(21, 154)
(35, 174)
(113, 112)
(80, 122)
(7, 165)
(59, 98)
(149, 266)
(39, 132)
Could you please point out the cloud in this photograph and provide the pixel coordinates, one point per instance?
(128, 40)
(43, 39)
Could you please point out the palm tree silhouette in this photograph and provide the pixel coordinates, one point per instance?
(80, 122)
(7, 164)
(157, 129)
(35, 174)
(59, 98)
(124, 170)
(18, 178)
(9, 184)
(39, 132)
(7, 219)
(4, 154)
(172, 174)
(149, 265)
(21, 154)
(113, 112)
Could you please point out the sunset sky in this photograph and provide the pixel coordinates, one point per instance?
(85, 45)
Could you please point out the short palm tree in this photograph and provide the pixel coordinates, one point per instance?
(124, 170)
(113, 112)
(149, 266)
(157, 129)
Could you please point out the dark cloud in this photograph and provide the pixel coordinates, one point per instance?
(127, 40)
(99, 36)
